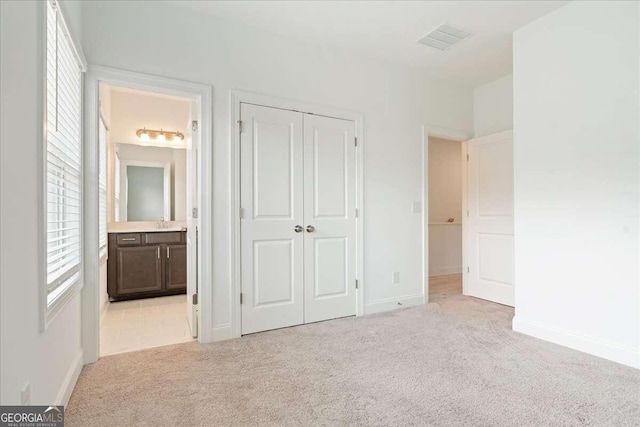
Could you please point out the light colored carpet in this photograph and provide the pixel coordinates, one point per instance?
(451, 363)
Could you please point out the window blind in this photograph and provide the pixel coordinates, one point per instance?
(102, 185)
(63, 158)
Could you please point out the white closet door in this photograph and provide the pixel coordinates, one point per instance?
(490, 221)
(330, 221)
(272, 203)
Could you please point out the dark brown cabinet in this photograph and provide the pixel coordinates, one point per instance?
(142, 265)
(176, 267)
(139, 269)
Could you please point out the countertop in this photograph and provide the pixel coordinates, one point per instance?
(148, 230)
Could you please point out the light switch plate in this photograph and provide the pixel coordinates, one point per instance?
(395, 277)
(416, 207)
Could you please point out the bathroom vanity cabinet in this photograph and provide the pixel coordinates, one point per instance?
(146, 264)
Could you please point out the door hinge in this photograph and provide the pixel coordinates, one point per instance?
(241, 298)
(357, 212)
(355, 139)
(240, 125)
(194, 213)
(467, 157)
(194, 299)
(194, 125)
(467, 269)
(241, 213)
(356, 283)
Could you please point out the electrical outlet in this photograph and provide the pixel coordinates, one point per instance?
(25, 395)
(395, 277)
(416, 207)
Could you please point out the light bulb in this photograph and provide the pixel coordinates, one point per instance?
(177, 139)
(144, 136)
(161, 137)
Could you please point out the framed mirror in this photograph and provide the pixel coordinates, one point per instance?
(146, 192)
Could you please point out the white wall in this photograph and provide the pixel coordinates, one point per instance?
(445, 180)
(396, 102)
(131, 111)
(445, 201)
(445, 249)
(48, 360)
(493, 107)
(576, 179)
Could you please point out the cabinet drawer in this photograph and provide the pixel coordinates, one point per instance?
(163, 237)
(128, 239)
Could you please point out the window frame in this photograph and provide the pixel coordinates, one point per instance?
(53, 302)
(103, 150)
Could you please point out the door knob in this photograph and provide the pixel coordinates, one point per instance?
(297, 228)
(310, 229)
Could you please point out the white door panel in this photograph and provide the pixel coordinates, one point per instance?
(272, 202)
(273, 265)
(330, 203)
(490, 220)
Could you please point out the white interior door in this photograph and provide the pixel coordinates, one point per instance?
(193, 221)
(272, 206)
(490, 218)
(329, 218)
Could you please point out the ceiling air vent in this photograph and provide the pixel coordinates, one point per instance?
(444, 37)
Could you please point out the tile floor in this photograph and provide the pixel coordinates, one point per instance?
(441, 287)
(145, 323)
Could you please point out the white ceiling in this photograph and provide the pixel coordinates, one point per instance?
(389, 29)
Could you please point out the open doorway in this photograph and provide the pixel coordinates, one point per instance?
(445, 217)
(147, 193)
(199, 203)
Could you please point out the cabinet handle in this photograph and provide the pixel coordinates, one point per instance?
(168, 252)
(128, 239)
(158, 252)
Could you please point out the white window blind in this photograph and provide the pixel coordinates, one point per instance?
(102, 185)
(63, 158)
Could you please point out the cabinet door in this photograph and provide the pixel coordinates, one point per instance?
(139, 269)
(176, 265)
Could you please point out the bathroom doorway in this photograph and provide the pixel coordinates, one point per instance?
(153, 226)
(144, 143)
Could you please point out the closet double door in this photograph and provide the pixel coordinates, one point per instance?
(298, 223)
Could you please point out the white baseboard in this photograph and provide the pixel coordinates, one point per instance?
(607, 350)
(70, 380)
(393, 303)
(444, 271)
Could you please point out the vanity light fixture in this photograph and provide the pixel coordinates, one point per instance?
(161, 135)
(143, 136)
